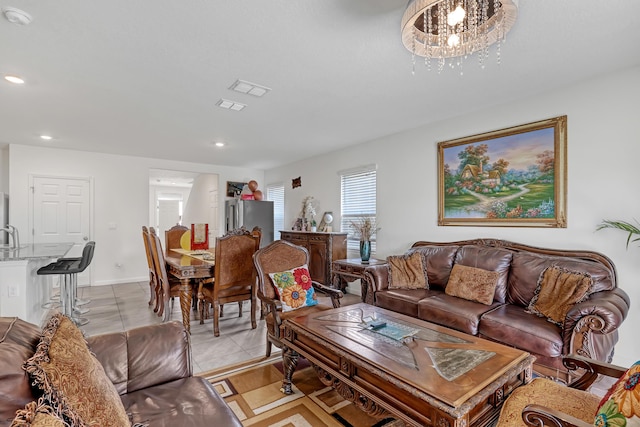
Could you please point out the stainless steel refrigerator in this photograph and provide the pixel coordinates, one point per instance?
(250, 213)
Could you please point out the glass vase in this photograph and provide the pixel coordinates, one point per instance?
(365, 251)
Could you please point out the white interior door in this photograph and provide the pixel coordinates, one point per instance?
(61, 213)
(168, 216)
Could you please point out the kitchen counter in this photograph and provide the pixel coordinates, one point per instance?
(35, 251)
(22, 291)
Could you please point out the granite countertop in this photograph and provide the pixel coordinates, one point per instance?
(35, 251)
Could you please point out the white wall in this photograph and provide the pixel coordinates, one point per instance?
(121, 194)
(603, 154)
(4, 169)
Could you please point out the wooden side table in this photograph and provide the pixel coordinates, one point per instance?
(348, 270)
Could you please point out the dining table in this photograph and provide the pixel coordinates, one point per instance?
(189, 266)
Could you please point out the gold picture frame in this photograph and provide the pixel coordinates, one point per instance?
(513, 177)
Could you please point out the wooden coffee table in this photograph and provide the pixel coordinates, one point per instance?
(419, 372)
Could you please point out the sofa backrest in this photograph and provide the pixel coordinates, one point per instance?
(491, 259)
(519, 265)
(526, 269)
(439, 262)
(18, 341)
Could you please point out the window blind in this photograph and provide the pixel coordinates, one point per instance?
(275, 193)
(357, 200)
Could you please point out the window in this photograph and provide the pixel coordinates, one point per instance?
(357, 200)
(275, 193)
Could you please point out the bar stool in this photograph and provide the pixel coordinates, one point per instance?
(68, 269)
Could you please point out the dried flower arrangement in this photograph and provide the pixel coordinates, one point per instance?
(364, 227)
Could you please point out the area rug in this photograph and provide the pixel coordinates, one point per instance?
(253, 392)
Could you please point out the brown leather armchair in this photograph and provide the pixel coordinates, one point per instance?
(234, 277)
(544, 402)
(151, 368)
(276, 257)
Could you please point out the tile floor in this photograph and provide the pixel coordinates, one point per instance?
(116, 308)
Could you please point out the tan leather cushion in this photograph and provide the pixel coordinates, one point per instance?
(473, 284)
(541, 391)
(37, 414)
(558, 290)
(72, 378)
(407, 271)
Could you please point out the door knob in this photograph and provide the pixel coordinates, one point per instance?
(85, 238)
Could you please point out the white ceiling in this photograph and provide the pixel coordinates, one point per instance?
(142, 77)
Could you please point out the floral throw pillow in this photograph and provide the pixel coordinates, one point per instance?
(621, 405)
(294, 288)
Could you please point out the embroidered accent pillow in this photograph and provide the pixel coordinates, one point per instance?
(621, 405)
(407, 271)
(558, 290)
(37, 414)
(473, 284)
(294, 288)
(73, 381)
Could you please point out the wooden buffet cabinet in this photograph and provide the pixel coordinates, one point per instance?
(324, 248)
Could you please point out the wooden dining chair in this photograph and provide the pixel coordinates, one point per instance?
(173, 235)
(279, 257)
(146, 239)
(168, 287)
(234, 277)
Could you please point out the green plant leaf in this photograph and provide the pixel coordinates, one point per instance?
(632, 229)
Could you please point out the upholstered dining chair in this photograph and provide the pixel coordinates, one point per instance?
(544, 402)
(234, 276)
(168, 287)
(277, 257)
(146, 239)
(173, 235)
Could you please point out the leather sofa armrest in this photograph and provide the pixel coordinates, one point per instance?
(145, 356)
(597, 317)
(611, 306)
(377, 279)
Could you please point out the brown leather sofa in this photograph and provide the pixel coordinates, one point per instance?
(149, 366)
(589, 329)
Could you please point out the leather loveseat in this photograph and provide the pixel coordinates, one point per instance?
(149, 366)
(589, 328)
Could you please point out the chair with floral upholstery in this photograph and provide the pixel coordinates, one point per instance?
(544, 402)
(285, 287)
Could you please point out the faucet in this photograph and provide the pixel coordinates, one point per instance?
(15, 236)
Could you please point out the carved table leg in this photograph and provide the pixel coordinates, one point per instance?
(289, 363)
(185, 303)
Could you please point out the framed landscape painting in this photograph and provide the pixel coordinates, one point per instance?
(513, 177)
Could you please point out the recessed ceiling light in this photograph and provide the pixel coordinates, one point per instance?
(17, 16)
(14, 79)
(46, 137)
(249, 88)
(219, 144)
(230, 105)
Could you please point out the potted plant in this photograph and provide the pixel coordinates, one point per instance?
(633, 230)
(364, 228)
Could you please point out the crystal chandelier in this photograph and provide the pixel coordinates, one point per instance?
(454, 29)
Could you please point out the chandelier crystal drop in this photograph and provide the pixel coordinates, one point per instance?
(441, 30)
